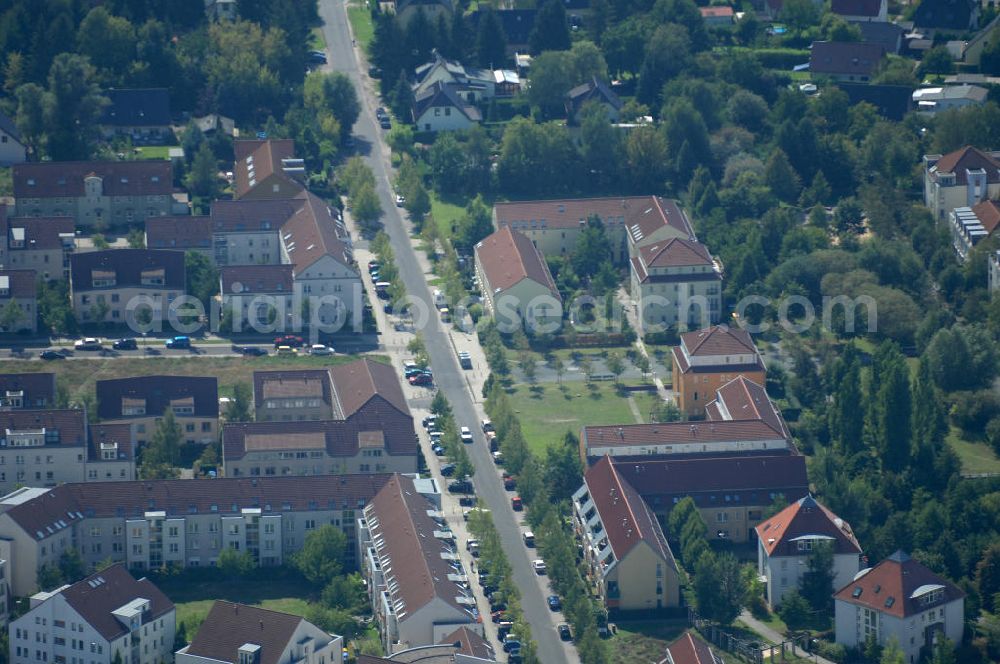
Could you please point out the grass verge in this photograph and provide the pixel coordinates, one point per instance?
(977, 457)
(445, 214)
(361, 23)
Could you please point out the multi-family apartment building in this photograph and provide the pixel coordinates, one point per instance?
(115, 285)
(416, 582)
(267, 169)
(676, 283)
(141, 401)
(731, 493)
(152, 523)
(517, 287)
(350, 418)
(629, 563)
(42, 244)
(108, 616)
(180, 233)
(463, 646)
(44, 448)
(963, 178)
(27, 390)
(707, 359)
(899, 599)
(971, 225)
(18, 301)
(554, 226)
(786, 540)
(242, 634)
(259, 296)
(115, 193)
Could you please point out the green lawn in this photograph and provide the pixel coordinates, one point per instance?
(361, 23)
(643, 641)
(80, 376)
(445, 214)
(548, 410)
(154, 151)
(316, 40)
(194, 594)
(976, 457)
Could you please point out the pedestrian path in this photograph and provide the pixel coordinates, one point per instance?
(774, 637)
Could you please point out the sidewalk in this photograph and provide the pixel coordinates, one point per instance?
(774, 637)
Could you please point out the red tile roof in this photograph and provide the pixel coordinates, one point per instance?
(262, 158)
(128, 266)
(718, 340)
(845, 58)
(675, 252)
(626, 517)
(805, 518)
(311, 233)
(966, 159)
(573, 212)
(411, 554)
(988, 213)
(899, 586)
(20, 283)
(666, 433)
(47, 179)
(254, 279)
(95, 597)
(355, 384)
(55, 509)
(508, 257)
(689, 649)
(229, 625)
(743, 399)
(179, 232)
(469, 643)
(715, 12)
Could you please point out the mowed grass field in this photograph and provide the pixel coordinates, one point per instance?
(278, 590)
(80, 376)
(548, 410)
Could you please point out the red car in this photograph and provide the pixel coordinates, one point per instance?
(515, 503)
(509, 482)
(289, 340)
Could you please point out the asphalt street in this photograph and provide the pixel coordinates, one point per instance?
(447, 373)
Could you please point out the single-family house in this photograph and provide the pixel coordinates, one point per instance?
(707, 359)
(109, 615)
(899, 599)
(947, 15)
(116, 193)
(596, 91)
(518, 289)
(689, 648)
(629, 563)
(113, 285)
(18, 301)
(846, 61)
(140, 114)
(517, 25)
(440, 107)
(221, 10)
(861, 11)
(12, 149)
(931, 101)
(242, 634)
(786, 540)
(889, 35)
(470, 83)
(717, 16)
(963, 178)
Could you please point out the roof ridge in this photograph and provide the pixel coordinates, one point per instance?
(628, 504)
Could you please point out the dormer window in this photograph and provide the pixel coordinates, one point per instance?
(153, 277)
(102, 278)
(31, 182)
(124, 180)
(155, 178)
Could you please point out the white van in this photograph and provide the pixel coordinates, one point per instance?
(529, 539)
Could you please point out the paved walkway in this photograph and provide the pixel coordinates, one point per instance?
(774, 637)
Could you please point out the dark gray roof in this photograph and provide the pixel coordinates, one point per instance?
(441, 94)
(137, 107)
(128, 266)
(8, 127)
(594, 89)
(158, 392)
(96, 596)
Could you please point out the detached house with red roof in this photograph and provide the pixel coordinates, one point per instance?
(518, 289)
(786, 540)
(963, 178)
(899, 598)
(629, 563)
(689, 648)
(108, 615)
(707, 359)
